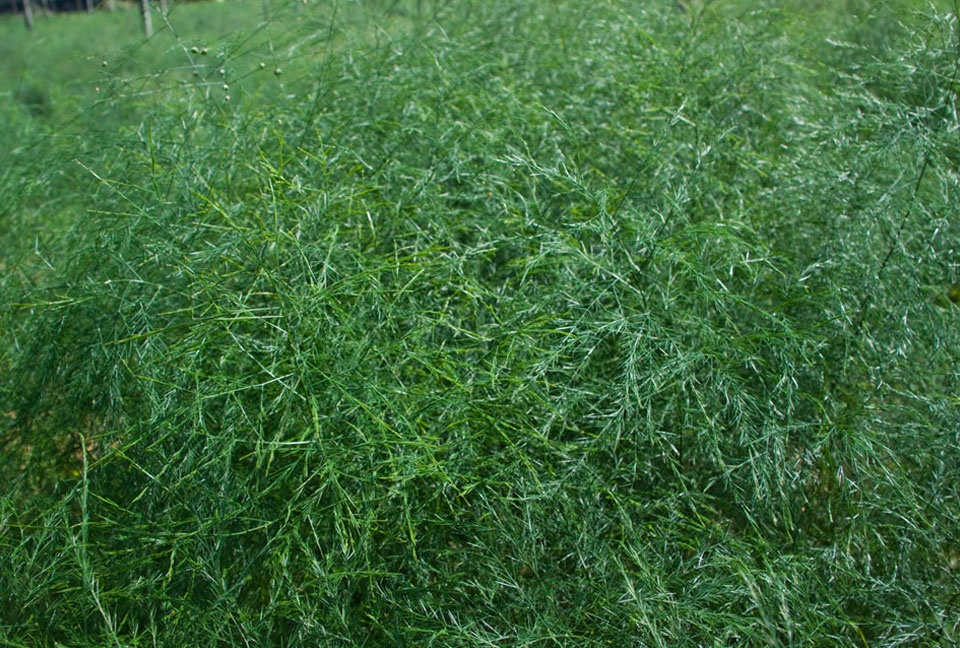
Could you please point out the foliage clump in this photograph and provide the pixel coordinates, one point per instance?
(491, 324)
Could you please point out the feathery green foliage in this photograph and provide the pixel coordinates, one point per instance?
(467, 323)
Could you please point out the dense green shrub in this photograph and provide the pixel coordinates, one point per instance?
(498, 324)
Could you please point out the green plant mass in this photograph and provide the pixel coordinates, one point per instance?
(481, 323)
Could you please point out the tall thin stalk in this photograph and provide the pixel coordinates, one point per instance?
(147, 22)
(28, 13)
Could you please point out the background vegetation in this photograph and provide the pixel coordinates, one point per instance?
(466, 323)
